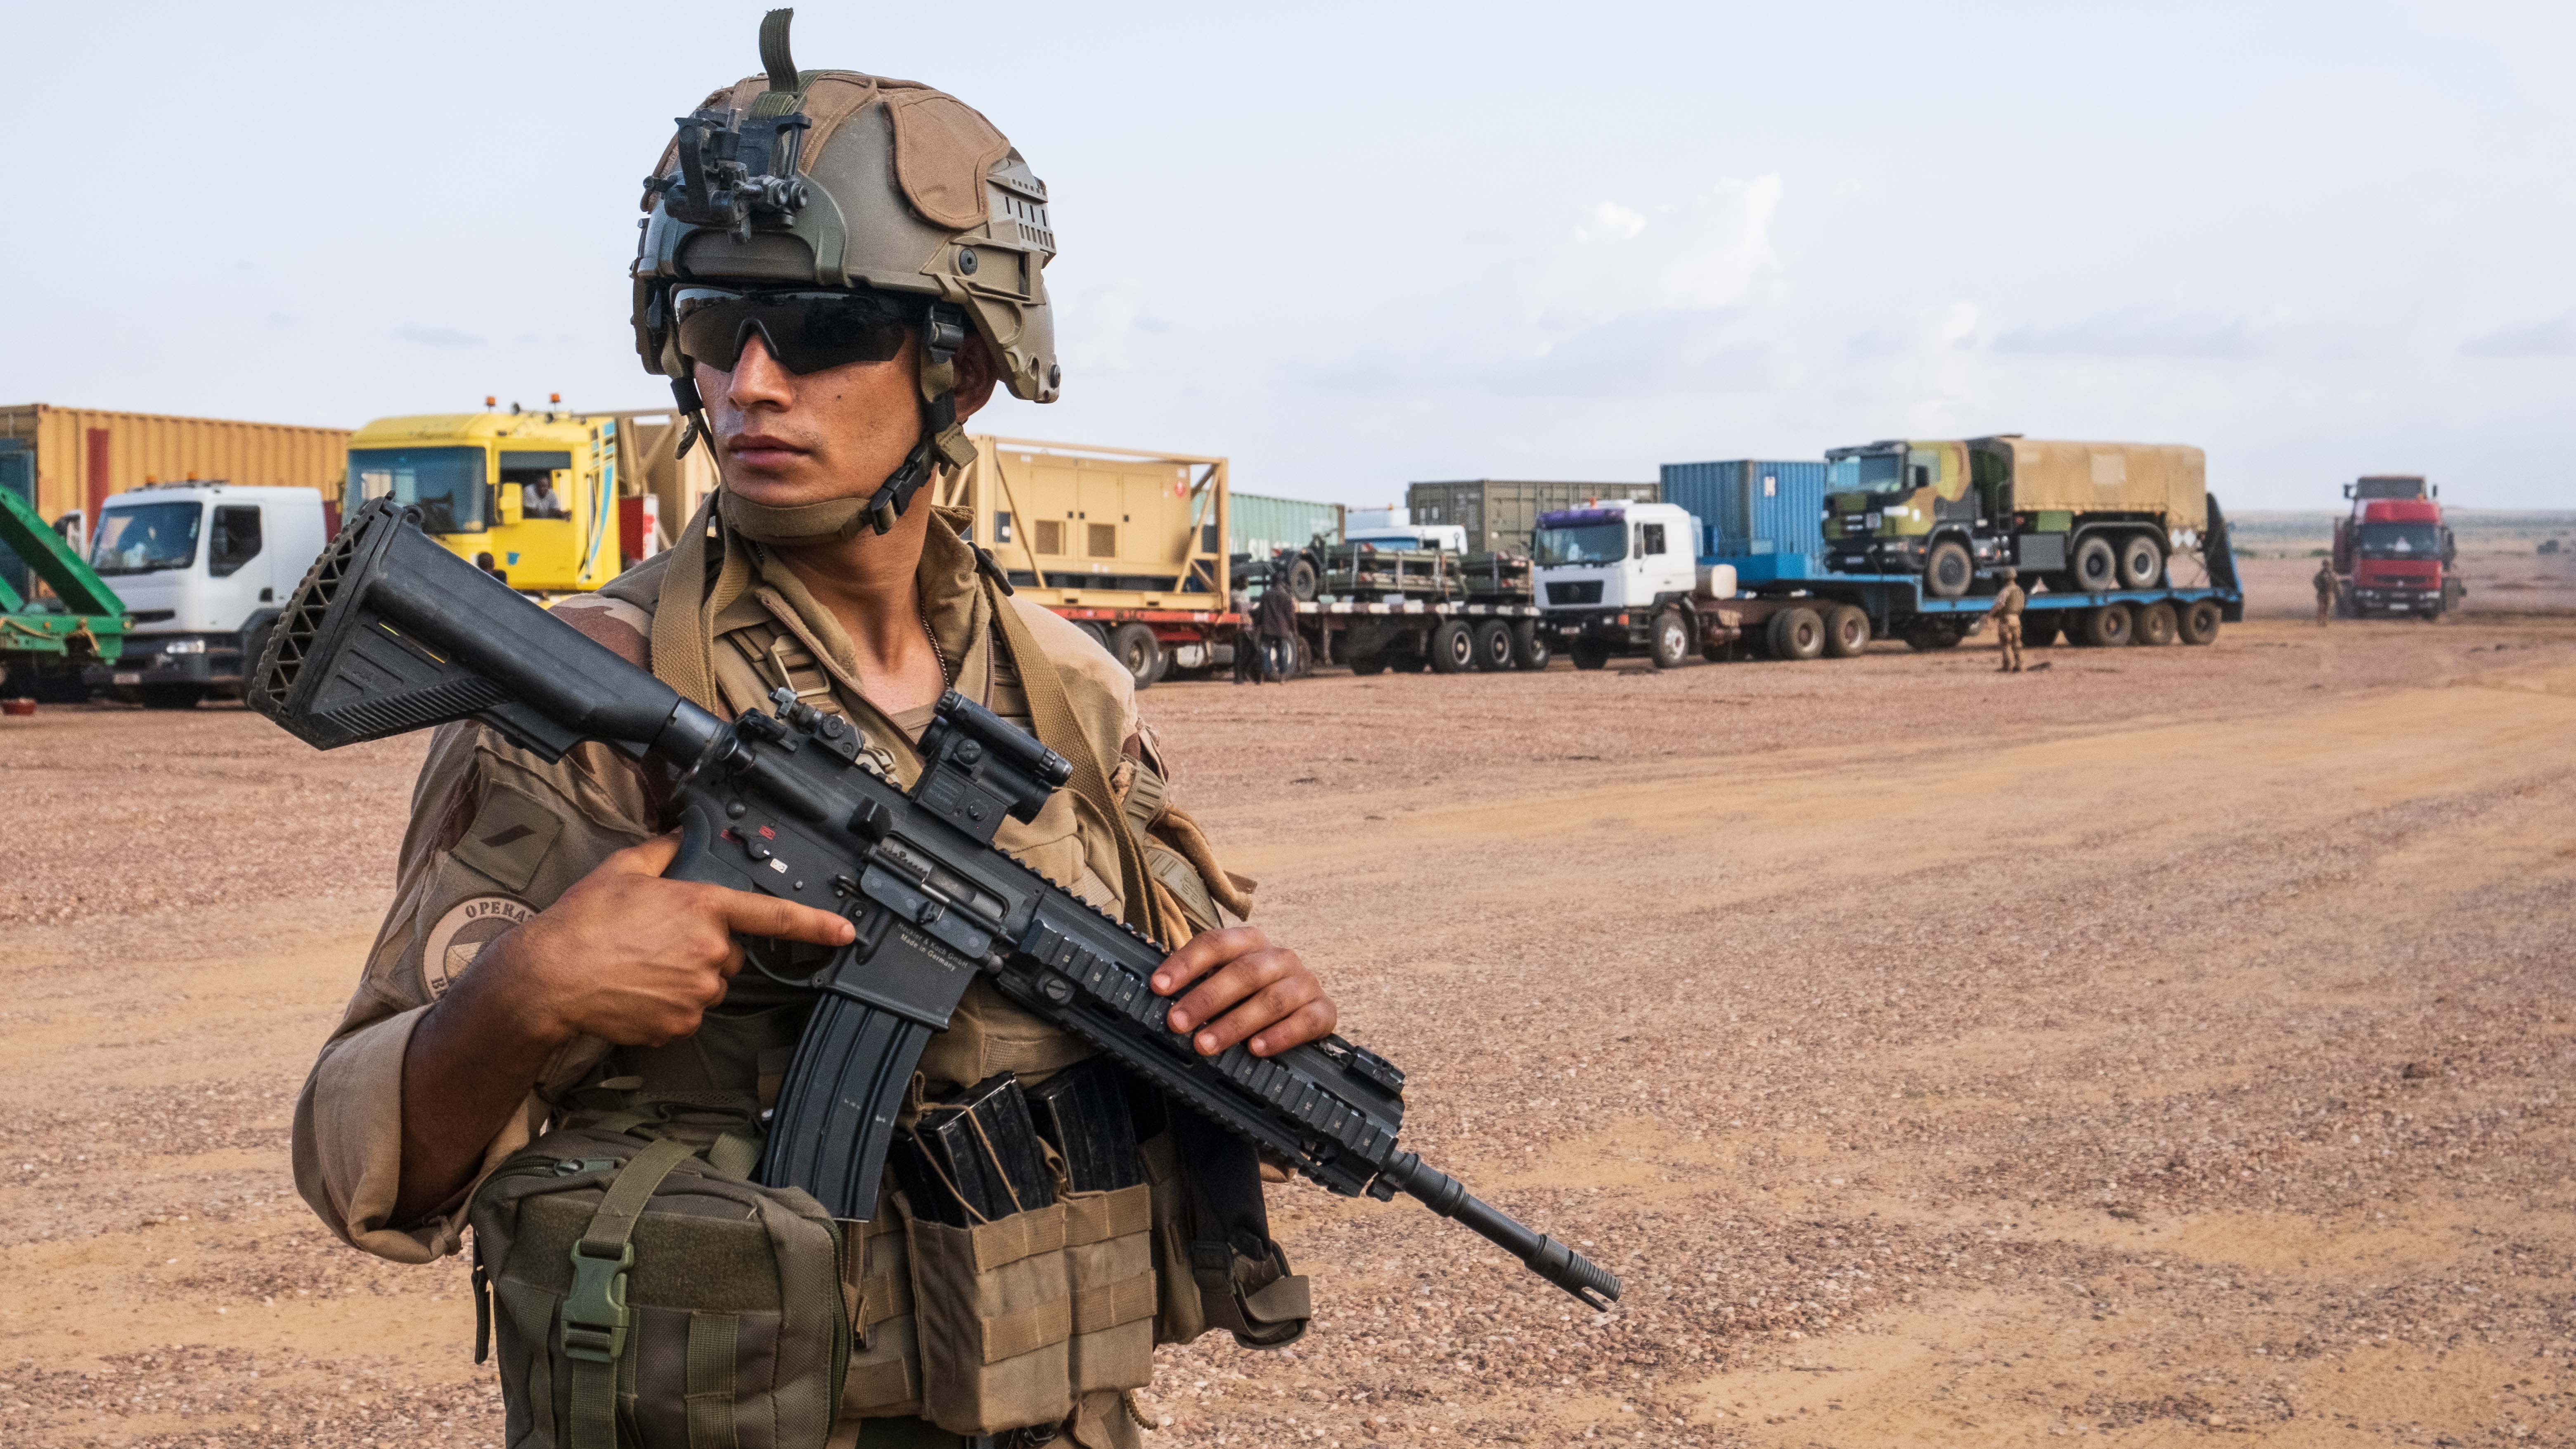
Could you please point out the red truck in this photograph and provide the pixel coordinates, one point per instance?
(2393, 552)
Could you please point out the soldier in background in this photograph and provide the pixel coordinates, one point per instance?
(1277, 625)
(1247, 645)
(2326, 585)
(2006, 612)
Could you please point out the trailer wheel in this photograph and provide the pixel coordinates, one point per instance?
(1453, 647)
(1494, 646)
(1368, 664)
(1099, 635)
(2039, 630)
(1588, 652)
(1301, 579)
(1303, 663)
(1135, 646)
(1948, 570)
(1530, 645)
(171, 696)
(2198, 622)
(2109, 626)
(1928, 636)
(1796, 634)
(2156, 624)
(2096, 566)
(1846, 631)
(2142, 562)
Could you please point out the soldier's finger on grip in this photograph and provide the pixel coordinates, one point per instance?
(787, 921)
(1312, 1022)
(1204, 952)
(1236, 981)
(1276, 1002)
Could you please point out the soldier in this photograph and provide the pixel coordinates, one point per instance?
(1276, 622)
(2326, 585)
(2006, 612)
(1247, 647)
(828, 328)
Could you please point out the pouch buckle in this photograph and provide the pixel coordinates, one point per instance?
(594, 1313)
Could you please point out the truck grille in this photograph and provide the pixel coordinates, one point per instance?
(1586, 592)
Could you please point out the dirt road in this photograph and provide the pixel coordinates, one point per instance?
(2175, 1043)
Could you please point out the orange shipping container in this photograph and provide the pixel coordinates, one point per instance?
(66, 459)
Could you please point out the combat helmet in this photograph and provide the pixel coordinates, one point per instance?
(839, 179)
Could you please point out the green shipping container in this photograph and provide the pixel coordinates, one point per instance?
(1499, 514)
(1260, 524)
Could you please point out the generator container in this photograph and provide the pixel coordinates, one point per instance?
(1499, 514)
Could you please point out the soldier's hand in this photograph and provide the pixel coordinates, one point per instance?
(634, 959)
(1245, 988)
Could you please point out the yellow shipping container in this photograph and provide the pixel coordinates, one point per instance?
(67, 459)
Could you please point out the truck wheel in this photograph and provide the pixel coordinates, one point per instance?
(1368, 664)
(1302, 661)
(1494, 646)
(1453, 647)
(2198, 622)
(2108, 626)
(1588, 652)
(1135, 646)
(1530, 645)
(1796, 634)
(2142, 562)
(1846, 631)
(2096, 566)
(170, 696)
(1948, 570)
(1301, 580)
(1098, 635)
(1671, 648)
(2156, 624)
(2039, 630)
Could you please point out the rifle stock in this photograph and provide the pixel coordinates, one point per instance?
(391, 633)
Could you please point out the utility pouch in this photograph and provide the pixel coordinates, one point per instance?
(1082, 1114)
(1214, 1259)
(651, 1296)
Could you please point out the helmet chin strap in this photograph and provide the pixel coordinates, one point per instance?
(833, 520)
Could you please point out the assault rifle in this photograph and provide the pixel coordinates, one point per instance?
(390, 633)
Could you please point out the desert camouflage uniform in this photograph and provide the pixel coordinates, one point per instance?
(497, 834)
(2006, 613)
(2326, 585)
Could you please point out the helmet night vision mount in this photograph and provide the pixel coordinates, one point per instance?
(733, 167)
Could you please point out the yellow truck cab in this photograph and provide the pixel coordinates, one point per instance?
(532, 497)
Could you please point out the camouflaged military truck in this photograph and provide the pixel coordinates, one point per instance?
(2073, 517)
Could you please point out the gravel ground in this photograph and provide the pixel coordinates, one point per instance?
(2170, 1044)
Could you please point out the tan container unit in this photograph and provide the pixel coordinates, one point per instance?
(2164, 480)
(82, 455)
(1129, 543)
(1103, 527)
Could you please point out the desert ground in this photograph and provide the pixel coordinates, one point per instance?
(2171, 1044)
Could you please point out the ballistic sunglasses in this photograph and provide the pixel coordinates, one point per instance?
(804, 330)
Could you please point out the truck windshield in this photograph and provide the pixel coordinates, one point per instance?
(137, 538)
(1877, 472)
(447, 483)
(1584, 543)
(2400, 540)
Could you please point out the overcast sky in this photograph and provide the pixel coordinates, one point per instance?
(1355, 245)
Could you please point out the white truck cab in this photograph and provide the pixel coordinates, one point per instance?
(203, 568)
(1604, 571)
(1425, 537)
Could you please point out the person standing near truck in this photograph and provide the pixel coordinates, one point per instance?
(2006, 612)
(538, 978)
(2326, 585)
(1247, 638)
(1277, 625)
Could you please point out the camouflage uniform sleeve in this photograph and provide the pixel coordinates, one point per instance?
(1178, 854)
(496, 835)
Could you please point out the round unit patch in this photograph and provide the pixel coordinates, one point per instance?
(465, 930)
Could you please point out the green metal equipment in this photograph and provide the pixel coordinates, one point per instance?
(83, 622)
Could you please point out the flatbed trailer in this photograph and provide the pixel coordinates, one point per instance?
(1785, 607)
(1441, 635)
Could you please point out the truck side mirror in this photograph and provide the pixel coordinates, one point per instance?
(514, 504)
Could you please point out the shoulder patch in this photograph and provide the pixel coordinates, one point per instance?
(509, 838)
(621, 627)
(461, 935)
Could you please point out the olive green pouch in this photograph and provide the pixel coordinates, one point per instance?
(1109, 1270)
(993, 1311)
(651, 1296)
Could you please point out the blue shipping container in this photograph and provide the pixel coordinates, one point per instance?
(1749, 508)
